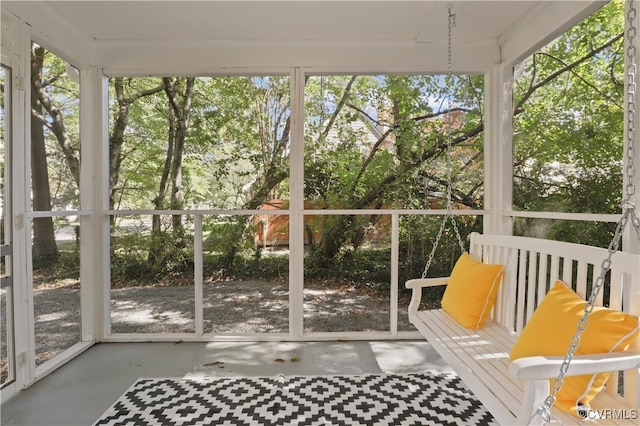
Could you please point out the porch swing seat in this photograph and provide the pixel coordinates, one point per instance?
(513, 391)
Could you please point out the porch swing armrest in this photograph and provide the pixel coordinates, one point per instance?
(545, 367)
(426, 282)
(416, 285)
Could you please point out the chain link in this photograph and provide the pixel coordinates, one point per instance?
(628, 214)
(631, 102)
(448, 215)
(452, 24)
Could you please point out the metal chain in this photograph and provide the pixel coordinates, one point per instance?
(452, 24)
(448, 215)
(628, 213)
(631, 101)
(632, 69)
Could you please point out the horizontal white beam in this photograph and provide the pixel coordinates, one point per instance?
(544, 23)
(259, 337)
(587, 217)
(209, 58)
(318, 212)
(54, 33)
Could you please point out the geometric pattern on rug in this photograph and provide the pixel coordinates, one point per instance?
(362, 399)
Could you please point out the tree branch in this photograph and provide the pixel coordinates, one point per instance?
(569, 67)
(573, 71)
(384, 136)
(343, 100)
(57, 127)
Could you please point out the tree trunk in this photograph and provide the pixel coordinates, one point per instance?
(182, 113)
(44, 241)
(159, 201)
(178, 121)
(57, 127)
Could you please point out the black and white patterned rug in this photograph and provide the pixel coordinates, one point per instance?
(364, 399)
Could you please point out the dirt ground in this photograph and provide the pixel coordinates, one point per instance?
(232, 307)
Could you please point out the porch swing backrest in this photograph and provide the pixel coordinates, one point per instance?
(481, 358)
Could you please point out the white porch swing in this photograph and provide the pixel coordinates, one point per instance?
(509, 324)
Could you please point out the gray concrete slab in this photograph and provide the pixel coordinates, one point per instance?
(80, 391)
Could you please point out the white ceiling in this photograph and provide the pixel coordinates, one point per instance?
(135, 36)
(289, 20)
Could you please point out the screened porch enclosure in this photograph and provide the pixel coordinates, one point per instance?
(275, 171)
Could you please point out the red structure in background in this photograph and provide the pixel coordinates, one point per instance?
(273, 229)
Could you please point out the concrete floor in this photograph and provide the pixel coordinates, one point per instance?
(80, 391)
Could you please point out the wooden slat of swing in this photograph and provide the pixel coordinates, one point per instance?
(481, 357)
(459, 349)
(521, 288)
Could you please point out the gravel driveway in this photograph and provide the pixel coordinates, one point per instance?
(233, 307)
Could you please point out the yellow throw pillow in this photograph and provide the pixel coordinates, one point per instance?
(553, 325)
(471, 291)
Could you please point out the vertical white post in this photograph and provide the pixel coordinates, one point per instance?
(198, 274)
(18, 47)
(296, 206)
(630, 240)
(395, 249)
(95, 261)
(93, 198)
(103, 221)
(27, 319)
(498, 150)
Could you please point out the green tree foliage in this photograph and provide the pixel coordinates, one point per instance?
(378, 142)
(569, 126)
(128, 118)
(55, 145)
(370, 142)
